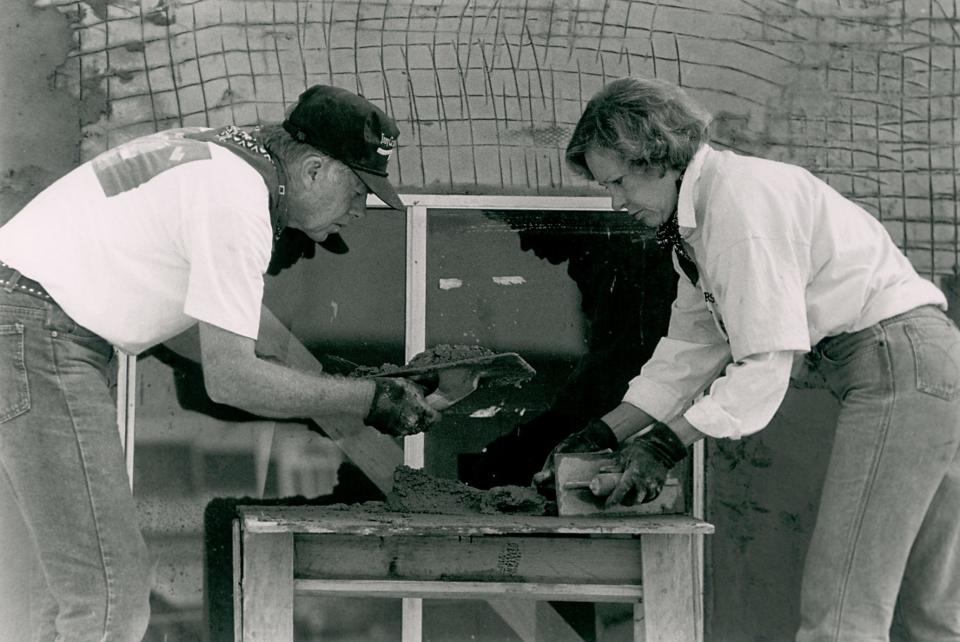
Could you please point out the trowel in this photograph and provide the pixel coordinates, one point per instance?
(585, 480)
(456, 380)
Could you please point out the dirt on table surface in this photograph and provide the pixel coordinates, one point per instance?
(414, 491)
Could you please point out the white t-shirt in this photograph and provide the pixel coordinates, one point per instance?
(784, 261)
(147, 238)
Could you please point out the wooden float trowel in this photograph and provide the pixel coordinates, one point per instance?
(585, 480)
(456, 379)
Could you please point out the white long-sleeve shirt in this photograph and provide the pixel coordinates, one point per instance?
(784, 261)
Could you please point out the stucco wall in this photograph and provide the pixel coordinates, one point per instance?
(862, 92)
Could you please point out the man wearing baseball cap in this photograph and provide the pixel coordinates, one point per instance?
(130, 249)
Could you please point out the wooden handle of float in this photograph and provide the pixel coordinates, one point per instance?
(601, 485)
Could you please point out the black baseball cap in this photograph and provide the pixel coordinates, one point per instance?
(352, 130)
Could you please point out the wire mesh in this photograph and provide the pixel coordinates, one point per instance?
(861, 92)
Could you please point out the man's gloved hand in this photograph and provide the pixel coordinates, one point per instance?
(597, 436)
(399, 408)
(645, 462)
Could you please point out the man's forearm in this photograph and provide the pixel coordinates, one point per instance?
(273, 390)
(233, 374)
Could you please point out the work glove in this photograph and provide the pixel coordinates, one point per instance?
(645, 462)
(399, 408)
(596, 437)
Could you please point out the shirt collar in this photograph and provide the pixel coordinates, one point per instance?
(686, 216)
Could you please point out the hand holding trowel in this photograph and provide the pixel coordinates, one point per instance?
(600, 485)
(584, 482)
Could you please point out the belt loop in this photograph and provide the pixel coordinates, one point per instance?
(11, 283)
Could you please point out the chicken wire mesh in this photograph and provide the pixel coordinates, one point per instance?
(863, 93)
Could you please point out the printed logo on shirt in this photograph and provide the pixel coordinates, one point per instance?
(132, 164)
(711, 306)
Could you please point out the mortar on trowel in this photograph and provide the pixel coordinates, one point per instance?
(585, 480)
(458, 378)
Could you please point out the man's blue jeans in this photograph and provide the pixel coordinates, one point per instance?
(60, 453)
(884, 562)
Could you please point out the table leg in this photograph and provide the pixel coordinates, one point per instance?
(639, 623)
(669, 589)
(267, 588)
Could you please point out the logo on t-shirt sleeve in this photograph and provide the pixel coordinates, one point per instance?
(132, 164)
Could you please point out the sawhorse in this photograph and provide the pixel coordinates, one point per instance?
(645, 560)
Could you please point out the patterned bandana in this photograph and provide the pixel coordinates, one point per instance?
(244, 139)
(668, 235)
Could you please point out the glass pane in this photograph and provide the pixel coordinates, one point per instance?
(478, 621)
(484, 290)
(583, 297)
(347, 619)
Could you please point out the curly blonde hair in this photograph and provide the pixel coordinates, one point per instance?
(645, 121)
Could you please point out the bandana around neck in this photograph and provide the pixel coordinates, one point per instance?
(247, 139)
(668, 233)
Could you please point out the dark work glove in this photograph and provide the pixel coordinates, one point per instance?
(597, 436)
(399, 408)
(645, 462)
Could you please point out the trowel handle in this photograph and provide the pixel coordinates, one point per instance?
(603, 484)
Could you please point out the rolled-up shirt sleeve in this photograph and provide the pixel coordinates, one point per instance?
(745, 398)
(743, 395)
(684, 362)
(759, 285)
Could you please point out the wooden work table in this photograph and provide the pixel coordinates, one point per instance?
(645, 560)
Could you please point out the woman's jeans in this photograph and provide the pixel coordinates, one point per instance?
(884, 562)
(60, 453)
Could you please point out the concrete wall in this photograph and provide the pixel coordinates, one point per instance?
(39, 140)
(862, 92)
(40, 136)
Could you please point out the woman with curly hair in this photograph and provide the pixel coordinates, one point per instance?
(778, 270)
